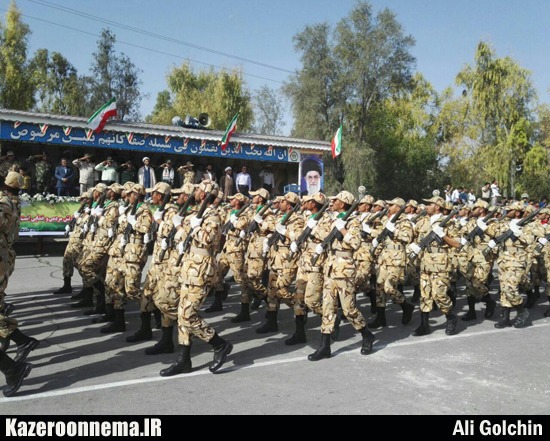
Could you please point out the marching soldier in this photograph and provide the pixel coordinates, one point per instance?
(364, 260)
(339, 279)
(545, 254)
(415, 212)
(198, 273)
(15, 370)
(282, 272)
(435, 267)
(392, 260)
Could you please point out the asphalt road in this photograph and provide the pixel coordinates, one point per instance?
(78, 371)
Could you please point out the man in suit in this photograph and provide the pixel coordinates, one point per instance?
(64, 175)
(209, 174)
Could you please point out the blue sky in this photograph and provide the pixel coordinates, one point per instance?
(446, 33)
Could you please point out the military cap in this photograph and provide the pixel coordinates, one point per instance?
(481, 204)
(100, 188)
(261, 192)
(160, 187)
(208, 186)
(14, 180)
(85, 195)
(516, 206)
(318, 197)
(240, 197)
(412, 203)
(367, 199)
(137, 188)
(117, 188)
(187, 189)
(128, 185)
(396, 201)
(449, 206)
(380, 203)
(345, 196)
(437, 200)
(292, 197)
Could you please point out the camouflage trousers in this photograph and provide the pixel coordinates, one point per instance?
(538, 273)
(69, 260)
(309, 290)
(387, 282)
(114, 279)
(167, 297)
(343, 289)
(254, 273)
(123, 283)
(433, 288)
(7, 325)
(93, 266)
(511, 274)
(278, 290)
(412, 273)
(235, 262)
(365, 270)
(546, 262)
(190, 323)
(476, 279)
(151, 286)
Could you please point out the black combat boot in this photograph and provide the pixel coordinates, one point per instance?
(165, 345)
(450, 326)
(531, 299)
(118, 325)
(257, 301)
(521, 319)
(108, 317)
(299, 336)
(504, 321)
(83, 293)
(408, 310)
(158, 318)
(490, 305)
(100, 307)
(222, 349)
(217, 306)
(25, 344)
(424, 328)
(537, 291)
(15, 373)
(225, 292)
(335, 334)
(66, 288)
(87, 300)
(372, 297)
(271, 325)
(380, 320)
(368, 341)
(323, 351)
(471, 314)
(144, 332)
(416, 294)
(4, 344)
(452, 293)
(244, 315)
(182, 365)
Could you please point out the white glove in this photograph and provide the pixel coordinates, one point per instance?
(122, 209)
(463, 241)
(543, 241)
(121, 219)
(93, 229)
(131, 220)
(259, 220)
(415, 248)
(482, 225)
(67, 229)
(265, 247)
(294, 247)
(390, 226)
(437, 229)
(233, 219)
(158, 215)
(375, 243)
(195, 222)
(281, 229)
(340, 224)
(515, 229)
(97, 211)
(242, 234)
(87, 210)
(85, 227)
(177, 220)
(164, 244)
(492, 244)
(367, 229)
(110, 233)
(180, 248)
(146, 238)
(122, 242)
(319, 249)
(312, 223)
(76, 215)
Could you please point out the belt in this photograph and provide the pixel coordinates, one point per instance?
(512, 249)
(137, 240)
(200, 251)
(343, 253)
(394, 247)
(437, 250)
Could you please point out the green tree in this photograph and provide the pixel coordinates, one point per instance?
(534, 178)
(268, 112)
(220, 94)
(16, 87)
(115, 76)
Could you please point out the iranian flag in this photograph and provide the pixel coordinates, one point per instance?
(230, 130)
(99, 119)
(336, 145)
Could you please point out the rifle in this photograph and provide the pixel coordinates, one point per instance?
(276, 237)
(510, 234)
(307, 232)
(431, 237)
(72, 223)
(378, 215)
(540, 246)
(100, 204)
(90, 221)
(414, 220)
(253, 226)
(385, 232)
(477, 231)
(155, 226)
(129, 227)
(228, 226)
(335, 233)
(170, 238)
(200, 214)
(115, 225)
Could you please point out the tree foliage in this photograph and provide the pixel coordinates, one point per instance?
(268, 112)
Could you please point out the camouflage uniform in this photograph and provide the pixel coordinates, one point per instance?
(42, 174)
(8, 166)
(114, 279)
(364, 258)
(74, 246)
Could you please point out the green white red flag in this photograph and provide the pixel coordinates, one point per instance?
(99, 119)
(336, 145)
(230, 130)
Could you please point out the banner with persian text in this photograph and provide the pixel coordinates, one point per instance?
(49, 215)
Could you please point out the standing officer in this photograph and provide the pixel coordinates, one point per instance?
(198, 273)
(339, 279)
